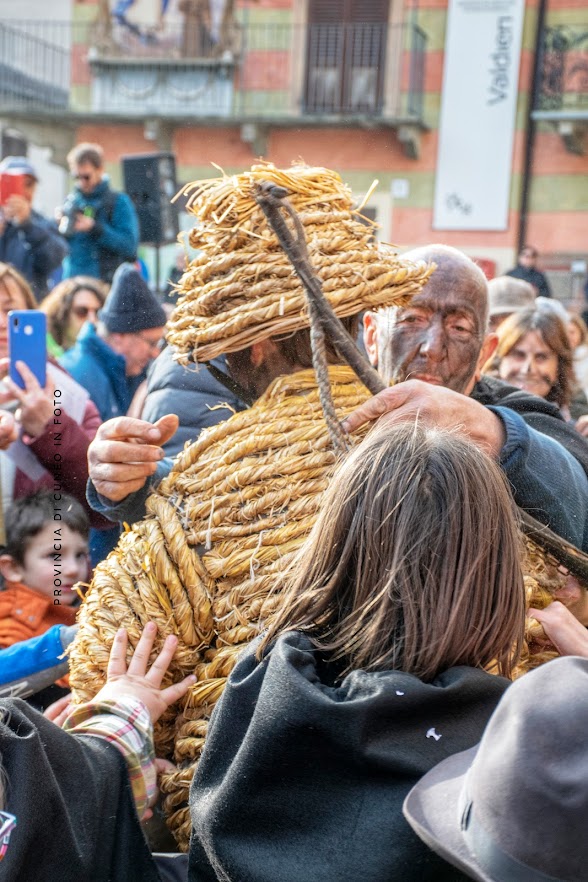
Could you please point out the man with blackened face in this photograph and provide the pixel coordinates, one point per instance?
(441, 337)
(433, 351)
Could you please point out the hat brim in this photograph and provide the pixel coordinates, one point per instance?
(508, 309)
(431, 809)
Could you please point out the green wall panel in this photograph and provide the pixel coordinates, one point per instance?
(559, 193)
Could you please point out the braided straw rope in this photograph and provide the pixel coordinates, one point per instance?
(542, 581)
(243, 288)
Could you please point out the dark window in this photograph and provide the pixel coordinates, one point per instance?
(13, 143)
(346, 51)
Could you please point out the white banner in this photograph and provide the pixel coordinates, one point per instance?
(476, 131)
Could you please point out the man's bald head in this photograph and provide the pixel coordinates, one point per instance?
(440, 337)
(456, 270)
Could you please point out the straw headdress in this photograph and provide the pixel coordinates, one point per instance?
(243, 289)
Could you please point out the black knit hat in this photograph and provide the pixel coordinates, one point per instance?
(130, 305)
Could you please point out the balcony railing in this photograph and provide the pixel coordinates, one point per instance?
(34, 67)
(563, 82)
(244, 73)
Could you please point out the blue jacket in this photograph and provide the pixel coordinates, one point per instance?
(112, 241)
(30, 665)
(35, 249)
(100, 370)
(190, 392)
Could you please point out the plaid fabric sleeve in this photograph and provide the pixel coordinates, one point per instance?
(126, 724)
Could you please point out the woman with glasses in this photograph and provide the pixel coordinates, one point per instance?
(72, 303)
(110, 360)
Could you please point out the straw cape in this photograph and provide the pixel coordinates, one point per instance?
(206, 562)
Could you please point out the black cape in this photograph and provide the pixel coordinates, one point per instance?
(75, 814)
(303, 781)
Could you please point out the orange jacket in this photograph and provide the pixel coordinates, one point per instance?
(26, 613)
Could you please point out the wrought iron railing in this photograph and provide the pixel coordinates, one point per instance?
(242, 72)
(563, 70)
(34, 67)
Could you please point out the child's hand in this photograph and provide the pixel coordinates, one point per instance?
(563, 629)
(137, 681)
(161, 765)
(59, 710)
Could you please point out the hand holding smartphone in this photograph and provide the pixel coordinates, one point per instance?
(27, 342)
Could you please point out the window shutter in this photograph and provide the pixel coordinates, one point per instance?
(346, 51)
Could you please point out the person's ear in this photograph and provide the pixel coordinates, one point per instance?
(10, 569)
(486, 352)
(261, 351)
(370, 337)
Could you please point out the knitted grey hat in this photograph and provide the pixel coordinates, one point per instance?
(130, 305)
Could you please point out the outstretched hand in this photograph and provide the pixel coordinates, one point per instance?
(125, 452)
(137, 681)
(563, 629)
(36, 402)
(434, 406)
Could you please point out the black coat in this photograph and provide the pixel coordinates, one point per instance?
(35, 249)
(534, 277)
(542, 415)
(303, 781)
(75, 816)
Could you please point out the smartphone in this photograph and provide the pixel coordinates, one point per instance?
(11, 185)
(27, 341)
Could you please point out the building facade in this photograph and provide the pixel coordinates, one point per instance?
(380, 90)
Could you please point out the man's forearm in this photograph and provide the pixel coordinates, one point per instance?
(546, 480)
(132, 507)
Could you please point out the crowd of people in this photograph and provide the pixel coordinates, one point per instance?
(349, 731)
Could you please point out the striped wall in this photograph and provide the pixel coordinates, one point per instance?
(558, 216)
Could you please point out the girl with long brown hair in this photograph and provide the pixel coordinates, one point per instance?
(407, 588)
